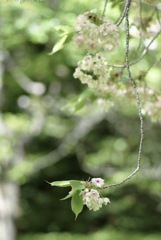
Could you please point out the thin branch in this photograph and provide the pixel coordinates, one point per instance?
(124, 12)
(138, 106)
(144, 52)
(104, 9)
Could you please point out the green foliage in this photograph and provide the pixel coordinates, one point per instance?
(60, 184)
(102, 235)
(64, 39)
(77, 203)
(75, 184)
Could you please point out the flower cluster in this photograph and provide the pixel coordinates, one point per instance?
(91, 196)
(93, 200)
(152, 108)
(84, 193)
(93, 32)
(92, 70)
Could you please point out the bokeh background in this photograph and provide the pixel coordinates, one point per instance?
(54, 128)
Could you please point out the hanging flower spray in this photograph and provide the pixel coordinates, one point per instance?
(95, 34)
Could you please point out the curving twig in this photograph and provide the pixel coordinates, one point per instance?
(137, 102)
(104, 9)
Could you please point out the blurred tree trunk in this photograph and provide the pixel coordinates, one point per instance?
(9, 194)
(9, 191)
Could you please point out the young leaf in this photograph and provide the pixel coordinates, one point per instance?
(65, 38)
(71, 194)
(77, 204)
(59, 44)
(60, 183)
(78, 185)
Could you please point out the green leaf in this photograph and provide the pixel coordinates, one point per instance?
(65, 38)
(77, 204)
(76, 184)
(71, 194)
(59, 44)
(60, 183)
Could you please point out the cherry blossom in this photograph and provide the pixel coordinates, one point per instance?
(93, 71)
(98, 182)
(93, 200)
(93, 32)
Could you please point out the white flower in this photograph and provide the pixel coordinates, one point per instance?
(93, 32)
(92, 70)
(106, 200)
(93, 200)
(98, 182)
